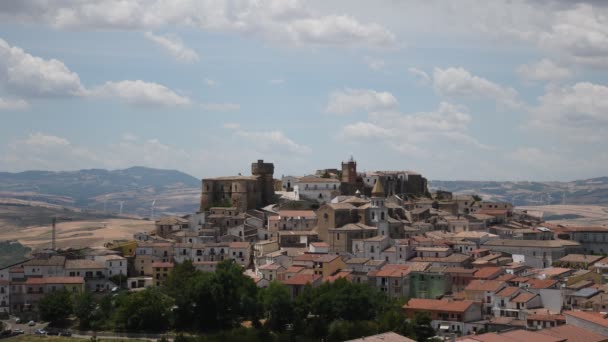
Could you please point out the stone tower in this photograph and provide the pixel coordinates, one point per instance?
(265, 172)
(349, 171)
(378, 211)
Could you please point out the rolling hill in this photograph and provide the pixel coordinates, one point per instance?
(582, 192)
(173, 192)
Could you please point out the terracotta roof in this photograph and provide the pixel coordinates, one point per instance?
(272, 266)
(294, 269)
(593, 317)
(296, 213)
(341, 274)
(541, 283)
(488, 272)
(438, 305)
(469, 271)
(485, 285)
(508, 291)
(316, 257)
(548, 317)
(523, 297)
(319, 244)
(54, 280)
(239, 244)
(572, 333)
(52, 261)
(162, 265)
(83, 264)
(506, 277)
(390, 270)
(385, 337)
(582, 258)
(16, 270)
(531, 243)
(302, 279)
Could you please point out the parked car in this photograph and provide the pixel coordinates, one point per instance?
(65, 333)
(40, 332)
(31, 323)
(18, 320)
(18, 331)
(52, 332)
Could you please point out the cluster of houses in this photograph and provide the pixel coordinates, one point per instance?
(475, 266)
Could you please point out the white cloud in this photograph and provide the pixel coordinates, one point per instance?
(32, 76)
(220, 107)
(140, 93)
(408, 133)
(574, 112)
(269, 141)
(338, 30)
(420, 74)
(580, 32)
(276, 81)
(543, 70)
(374, 64)
(174, 46)
(278, 20)
(459, 82)
(13, 104)
(351, 100)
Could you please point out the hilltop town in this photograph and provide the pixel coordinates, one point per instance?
(482, 270)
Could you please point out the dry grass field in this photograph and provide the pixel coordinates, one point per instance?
(573, 215)
(78, 234)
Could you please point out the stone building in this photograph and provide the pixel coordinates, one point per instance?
(241, 192)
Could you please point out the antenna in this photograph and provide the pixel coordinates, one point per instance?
(53, 242)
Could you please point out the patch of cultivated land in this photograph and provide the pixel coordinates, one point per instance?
(31, 226)
(573, 215)
(78, 234)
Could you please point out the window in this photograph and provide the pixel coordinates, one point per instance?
(338, 236)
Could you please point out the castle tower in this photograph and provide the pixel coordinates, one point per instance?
(265, 171)
(378, 211)
(349, 171)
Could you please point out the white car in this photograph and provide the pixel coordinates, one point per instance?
(31, 323)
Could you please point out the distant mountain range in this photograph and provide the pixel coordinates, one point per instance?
(102, 190)
(589, 192)
(175, 192)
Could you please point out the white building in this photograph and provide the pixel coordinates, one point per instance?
(317, 189)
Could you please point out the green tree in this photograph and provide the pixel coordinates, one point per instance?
(277, 305)
(84, 309)
(422, 326)
(147, 310)
(56, 306)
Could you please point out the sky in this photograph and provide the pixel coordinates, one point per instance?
(456, 90)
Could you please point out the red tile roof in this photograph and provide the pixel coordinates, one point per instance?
(573, 333)
(593, 317)
(302, 279)
(438, 305)
(485, 285)
(523, 297)
(54, 280)
(488, 272)
(541, 283)
(390, 270)
(508, 291)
